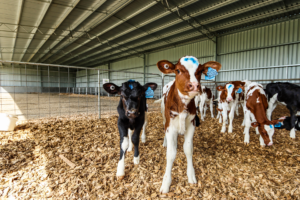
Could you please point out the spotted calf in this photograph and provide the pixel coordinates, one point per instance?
(228, 100)
(255, 107)
(287, 94)
(205, 99)
(132, 115)
(180, 110)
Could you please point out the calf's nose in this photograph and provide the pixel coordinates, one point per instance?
(229, 99)
(132, 111)
(194, 86)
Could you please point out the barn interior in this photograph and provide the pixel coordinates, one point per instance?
(55, 56)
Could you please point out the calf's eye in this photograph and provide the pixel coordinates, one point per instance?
(178, 71)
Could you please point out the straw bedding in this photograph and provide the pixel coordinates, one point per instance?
(31, 164)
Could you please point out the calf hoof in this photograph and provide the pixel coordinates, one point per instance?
(136, 160)
(164, 188)
(246, 143)
(119, 178)
(270, 144)
(143, 139)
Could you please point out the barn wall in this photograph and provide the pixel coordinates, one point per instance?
(33, 79)
(273, 45)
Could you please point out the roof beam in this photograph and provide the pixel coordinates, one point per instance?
(255, 17)
(89, 28)
(19, 19)
(40, 18)
(58, 24)
(91, 51)
(77, 26)
(94, 37)
(207, 33)
(226, 25)
(135, 27)
(93, 55)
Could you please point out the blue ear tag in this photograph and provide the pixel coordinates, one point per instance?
(211, 73)
(271, 126)
(130, 85)
(239, 91)
(278, 125)
(149, 93)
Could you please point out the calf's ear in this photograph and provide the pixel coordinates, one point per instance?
(276, 121)
(166, 67)
(210, 64)
(153, 86)
(111, 88)
(220, 88)
(239, 89)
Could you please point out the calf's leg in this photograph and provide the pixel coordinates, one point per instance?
(231, 116)
(247, 128)
(130, 132)
(136, 140)
(144, 128)
(124, 144)
(171, 154)
(271, 106)
(188, 150)
(293, 111)
(211, 107)
(201, 110)
(224, 114)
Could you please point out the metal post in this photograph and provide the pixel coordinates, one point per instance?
(216, 59)
(87, 82)
(144, 69)
(49, 91)
(59, 91)
(26, 90)
(286, 71)
(37, 87)
(162, 84)
(99, 106)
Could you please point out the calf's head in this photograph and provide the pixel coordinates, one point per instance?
(131, 94)
(188, 73)
(229, 90)
(266, 130)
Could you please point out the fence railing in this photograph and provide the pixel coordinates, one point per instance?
(37, 90)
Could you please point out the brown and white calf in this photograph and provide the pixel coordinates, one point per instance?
(205, 99)
(228, 101)
(255, 107)
(180, 110)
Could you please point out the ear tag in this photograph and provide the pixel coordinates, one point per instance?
(278, 125)
(271, 126)
(166, 66)
(112, 87)
(239, 91)
(149, 93)
(130, 85)
(211, 73)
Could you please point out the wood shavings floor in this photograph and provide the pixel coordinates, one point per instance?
(30, 167)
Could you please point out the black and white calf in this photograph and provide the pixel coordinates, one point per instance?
(132, 114)
(286, 123)
(287, 94)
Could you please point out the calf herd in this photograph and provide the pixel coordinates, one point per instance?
(184, 98)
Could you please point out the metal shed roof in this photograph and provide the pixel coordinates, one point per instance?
(90, 33)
